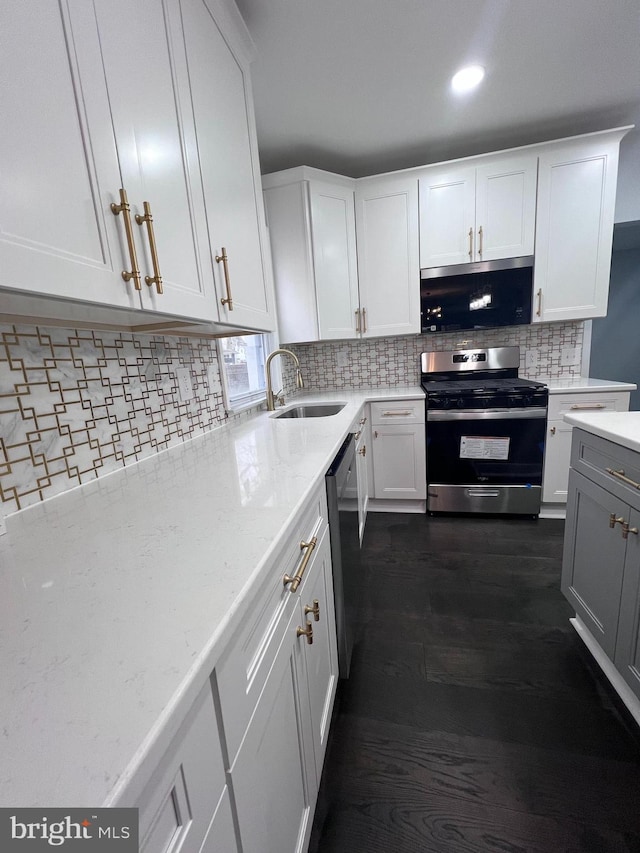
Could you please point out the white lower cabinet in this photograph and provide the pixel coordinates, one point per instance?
(276, 773)
(555, 481)
(185, 806)
(399, 450)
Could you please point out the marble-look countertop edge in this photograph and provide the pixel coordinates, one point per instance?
(584, 384)
(622, 428)
(163, 723)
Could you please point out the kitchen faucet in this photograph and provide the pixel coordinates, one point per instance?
(271, 397)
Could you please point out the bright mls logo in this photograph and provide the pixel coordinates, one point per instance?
(102, 830)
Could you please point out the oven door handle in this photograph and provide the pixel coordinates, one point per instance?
(487, 414)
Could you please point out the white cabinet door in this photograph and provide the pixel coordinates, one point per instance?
(333, 237)
(273, 775)
(574, 231)
(142, 50)
(447, 216)
(399, 463)
(363, 458)
(230, 173)
(388, 256)
(506, 208)
(557, 455)
(60, 170)
(318, 611)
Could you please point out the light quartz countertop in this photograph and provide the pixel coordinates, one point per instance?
(621, 427)
(581, 384)
(117, 598)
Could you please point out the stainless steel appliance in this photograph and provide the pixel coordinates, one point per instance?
(476, 296)
(342, 501)
(485, 432)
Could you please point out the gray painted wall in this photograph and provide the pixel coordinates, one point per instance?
(615, 341)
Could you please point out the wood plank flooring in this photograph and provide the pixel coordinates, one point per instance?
(474, 721)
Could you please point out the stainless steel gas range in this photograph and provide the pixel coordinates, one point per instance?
(485, 432)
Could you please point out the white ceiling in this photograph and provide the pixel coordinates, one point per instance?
(362, 86)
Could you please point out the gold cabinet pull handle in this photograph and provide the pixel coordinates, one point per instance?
(470, 244)
(552, 430)
(294, 580)
(300, 632)
(156, 278)
(124, 209)
(375, 433)
(363, 450)
(587, 407)
(397, 413)
(620, 476)
(539, 308)
(364, 321)
(613, 520)
(357, 435)
(358, 329)
(315, 609)
(626, 530)
(224, 260)
(362, 421)
(480, 235)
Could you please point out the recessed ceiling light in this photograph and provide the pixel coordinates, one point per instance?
(467, 78)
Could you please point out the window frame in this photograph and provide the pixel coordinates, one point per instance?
(241, 403)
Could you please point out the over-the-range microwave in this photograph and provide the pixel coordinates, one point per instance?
(481, 295)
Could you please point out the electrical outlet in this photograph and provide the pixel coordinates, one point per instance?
(185, 388)
(212, 378)
(569, 356)
(531, 358)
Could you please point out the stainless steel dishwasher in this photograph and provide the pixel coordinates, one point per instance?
(342, 500)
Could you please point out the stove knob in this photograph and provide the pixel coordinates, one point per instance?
(527, 401)
(460, 403)
(512, 402)
(435, 402)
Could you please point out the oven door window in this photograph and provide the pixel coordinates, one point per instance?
(505, 452)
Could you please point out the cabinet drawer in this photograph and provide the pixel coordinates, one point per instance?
(607, 464)
(606, 401)
(398, 412)
(179, 802)
(244, 667)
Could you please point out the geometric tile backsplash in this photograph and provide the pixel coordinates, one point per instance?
(396, 361)
(75, 405)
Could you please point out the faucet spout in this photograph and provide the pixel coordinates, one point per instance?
(267, 369)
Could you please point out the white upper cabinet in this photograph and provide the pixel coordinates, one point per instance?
(222, 103)
(333, 243)
(311, 222)
(147, 81)
(60, 169)
(576, 201)
(145, 98)
(388, 255)
(478, 211)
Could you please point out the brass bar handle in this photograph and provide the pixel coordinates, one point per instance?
(362, 421)
(124, 209)
(358, 329)
(470, 244)
(586, 407)
(315, 610)
(539, 308)
(357, 435)
(552, 430)
(613, 520)
(295, 579)
(224, 260)
(364, 321)
(363, 450)
(148, 219)
(300, 632)
(480, 235)
(626, 530)
(620, 476)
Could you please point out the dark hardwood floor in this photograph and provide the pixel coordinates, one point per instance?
(474, 719)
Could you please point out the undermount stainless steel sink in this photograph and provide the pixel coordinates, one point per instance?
(312, 410)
